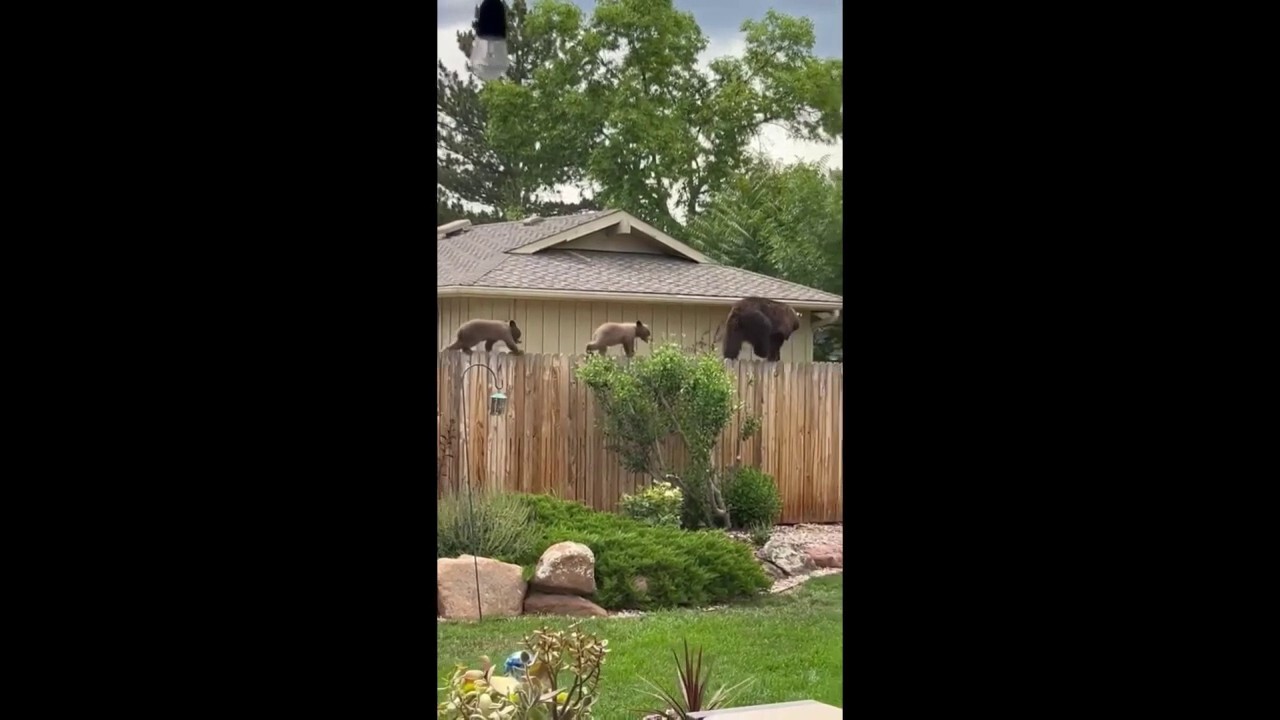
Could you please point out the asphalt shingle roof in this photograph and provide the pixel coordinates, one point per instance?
(479, 257)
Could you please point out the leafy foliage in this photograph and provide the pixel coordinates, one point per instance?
(490, 525)
(678, 567)
(667, 393)
(695, 679)
(448, 210)
(619, 101)
(658, 504)
(558, 679)
(753, 498)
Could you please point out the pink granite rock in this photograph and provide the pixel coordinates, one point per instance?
(826, 556)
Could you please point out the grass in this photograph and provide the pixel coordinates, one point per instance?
(792, 644)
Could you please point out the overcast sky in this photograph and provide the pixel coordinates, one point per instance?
(719, 20)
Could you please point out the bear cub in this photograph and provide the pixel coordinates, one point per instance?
(489, 332)
(624, 334)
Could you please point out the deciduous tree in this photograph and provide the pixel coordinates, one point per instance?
(618, 100)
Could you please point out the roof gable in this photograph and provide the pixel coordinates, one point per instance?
(618, 223)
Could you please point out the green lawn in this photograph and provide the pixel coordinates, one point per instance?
(792, 644)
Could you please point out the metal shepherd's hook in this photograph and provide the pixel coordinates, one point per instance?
(497, 406)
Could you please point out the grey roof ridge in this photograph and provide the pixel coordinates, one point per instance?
(598, 214)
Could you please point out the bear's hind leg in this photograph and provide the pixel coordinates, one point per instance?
(775, 347)
(732, 345)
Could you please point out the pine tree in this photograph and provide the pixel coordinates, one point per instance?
(468, 169)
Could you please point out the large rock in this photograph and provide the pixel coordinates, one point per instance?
(547, 604)
(566, 568)
(773, 571)
(787, 557)
(826, 556)
(502, 588)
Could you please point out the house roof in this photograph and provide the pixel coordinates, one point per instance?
(514, 259)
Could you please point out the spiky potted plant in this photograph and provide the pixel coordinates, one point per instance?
(694, 678)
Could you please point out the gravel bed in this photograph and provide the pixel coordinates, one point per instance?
(789, 583)
(809, 534)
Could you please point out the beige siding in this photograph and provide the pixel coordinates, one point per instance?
(564, 327)
(605, 242)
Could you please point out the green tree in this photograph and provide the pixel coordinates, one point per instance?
(448, 210)
(785, 221)
(618, 101)
(468, 168)
(670, 393)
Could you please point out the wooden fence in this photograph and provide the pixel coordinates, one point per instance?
(547, 440)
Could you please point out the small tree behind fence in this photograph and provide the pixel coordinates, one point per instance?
(670, 394)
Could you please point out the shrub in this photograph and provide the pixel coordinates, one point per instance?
(658, 504)
(760, 534)
(753, 499)
(670, 393)
(679, 568)
(490, 525)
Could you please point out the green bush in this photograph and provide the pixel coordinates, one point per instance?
(753, 499)
(679, 568)
(760, 534)
(670, 393)
(491, 525)
(658, 504)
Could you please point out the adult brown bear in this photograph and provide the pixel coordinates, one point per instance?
(763, 323)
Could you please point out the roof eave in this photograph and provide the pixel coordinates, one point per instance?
(589, 295)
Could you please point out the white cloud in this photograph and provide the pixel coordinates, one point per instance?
(447, 48)
(719, 47)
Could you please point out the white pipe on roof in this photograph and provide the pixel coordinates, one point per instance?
(454, 226)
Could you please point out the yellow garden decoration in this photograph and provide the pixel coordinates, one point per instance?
(561, 681)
